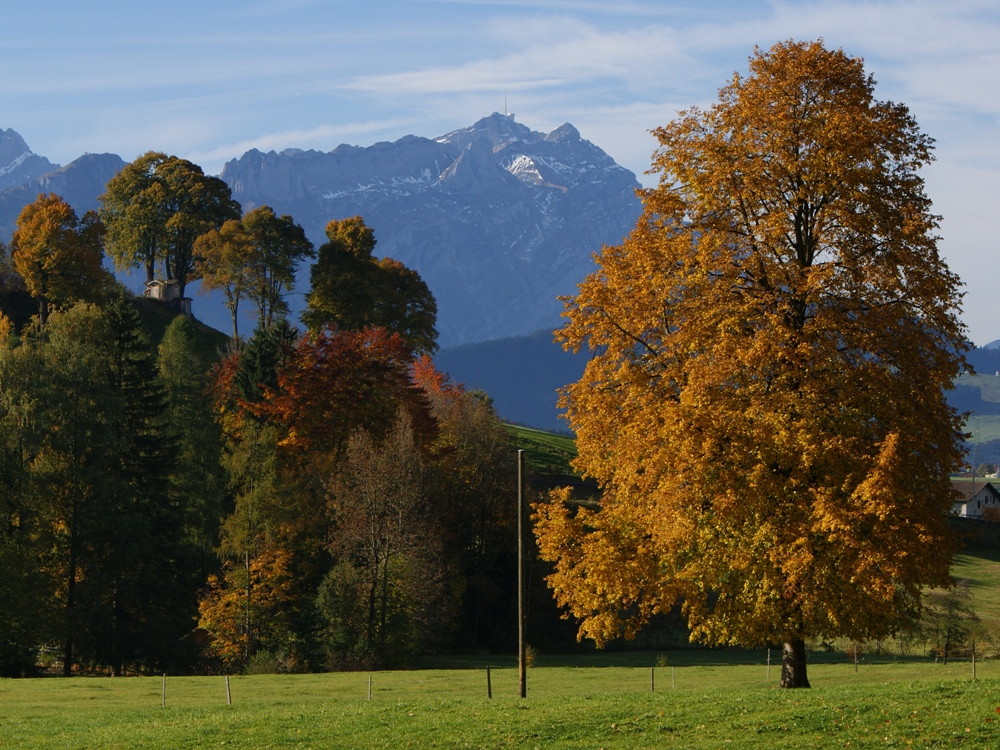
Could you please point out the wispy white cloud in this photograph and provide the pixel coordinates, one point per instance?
(211, 80)
(581, 55)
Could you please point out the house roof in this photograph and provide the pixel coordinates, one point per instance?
(966, 489)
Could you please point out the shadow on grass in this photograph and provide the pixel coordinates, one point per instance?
(687, 657)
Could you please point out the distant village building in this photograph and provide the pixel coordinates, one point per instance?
(975, 499)
(169, 293)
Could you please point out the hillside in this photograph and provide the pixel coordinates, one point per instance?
(548, 459)
(211, 343)
(978, 395)
(978, 562)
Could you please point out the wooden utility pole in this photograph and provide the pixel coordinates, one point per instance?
(521, 646)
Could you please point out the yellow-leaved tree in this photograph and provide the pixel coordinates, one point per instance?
(765, 407)
(57, 254)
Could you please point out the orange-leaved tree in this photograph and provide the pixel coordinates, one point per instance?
(765, 408)
(336, 381)
(288, 409)
(57, 254)
(246, 607)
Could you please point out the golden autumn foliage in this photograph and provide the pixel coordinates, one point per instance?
(222, 261)
(245, 606)
(57, 254)
(765, 408)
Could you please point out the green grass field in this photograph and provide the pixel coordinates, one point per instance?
(547, 453)
(693, 699)
(982, 428)
(696, 704)
(982, 569)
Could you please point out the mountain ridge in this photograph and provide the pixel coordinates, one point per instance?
(498, 219)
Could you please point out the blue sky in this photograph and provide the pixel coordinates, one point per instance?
(211, 79)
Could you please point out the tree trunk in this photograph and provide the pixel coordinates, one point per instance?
(70, 622)
(793, 664)
(117, 633)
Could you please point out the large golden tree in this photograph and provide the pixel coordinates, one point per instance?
(765, 406)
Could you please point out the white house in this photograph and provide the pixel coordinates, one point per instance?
(974, 497)
(168, 292)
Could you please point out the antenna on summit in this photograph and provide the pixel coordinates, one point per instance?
(506, 112)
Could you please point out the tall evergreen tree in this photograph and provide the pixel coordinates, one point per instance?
(25, 587)
(72, 454)
(150, 605)
(198, 480)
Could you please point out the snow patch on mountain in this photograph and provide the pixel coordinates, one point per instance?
(498, 219)
(17, 162)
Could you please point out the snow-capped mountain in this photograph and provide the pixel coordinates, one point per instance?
(18, 164)
(498, 219)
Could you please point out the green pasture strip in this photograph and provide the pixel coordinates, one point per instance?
(546, 452)
(886, 704)
(982, 569)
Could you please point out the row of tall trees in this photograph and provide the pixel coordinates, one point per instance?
(103, 545)
(309, 499)
(356, 536)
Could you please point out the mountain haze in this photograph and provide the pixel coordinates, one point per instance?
(80, 183)
(498, 219)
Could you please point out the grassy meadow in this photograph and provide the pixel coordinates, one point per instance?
(696, 702)
(687, 698)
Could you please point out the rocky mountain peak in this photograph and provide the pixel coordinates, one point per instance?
(497, 130)
(563, 134)
(17, 162)
(498, 219)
